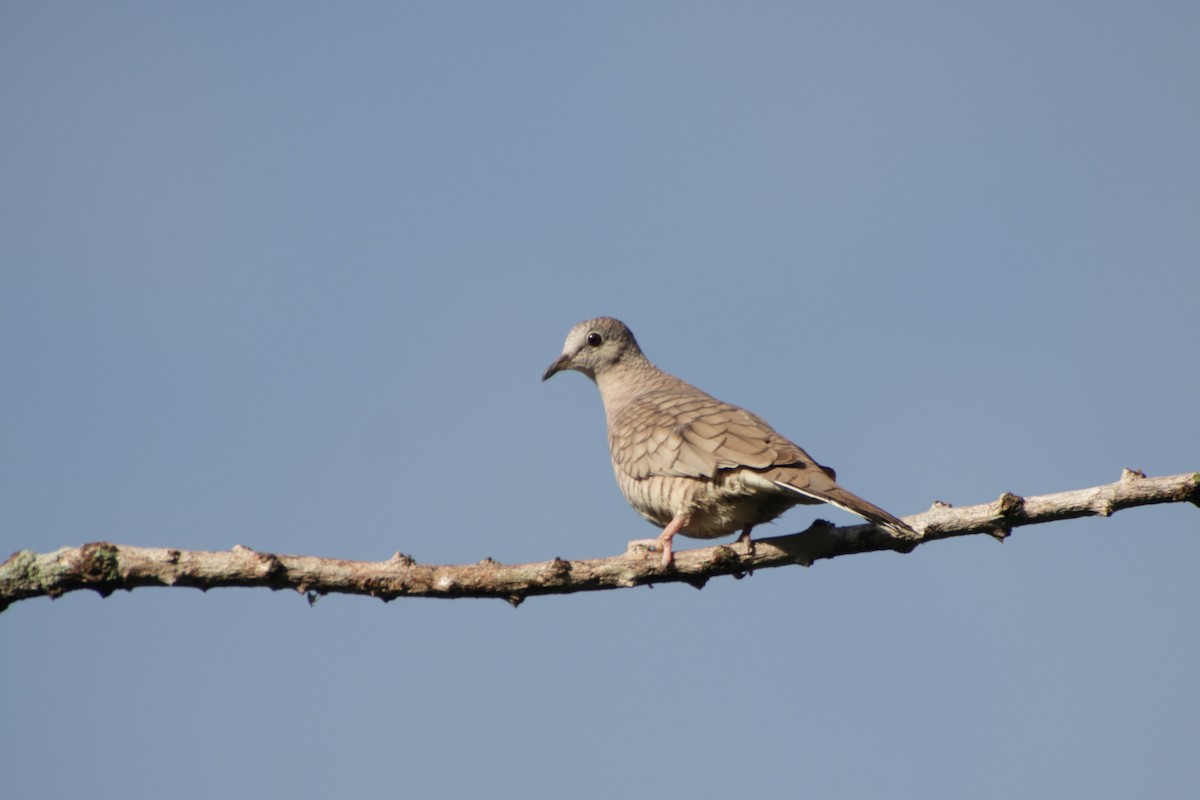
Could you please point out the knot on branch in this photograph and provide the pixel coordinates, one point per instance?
(264, 565)
(1010, 505)
(98, 567)
(557, 569)
(723, 555)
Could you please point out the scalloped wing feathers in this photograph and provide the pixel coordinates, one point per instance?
(693, 435)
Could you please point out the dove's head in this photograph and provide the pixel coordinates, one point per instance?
(595, 346)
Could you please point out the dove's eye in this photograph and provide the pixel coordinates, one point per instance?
(594, 339)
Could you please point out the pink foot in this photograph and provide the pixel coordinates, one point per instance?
(664, 539)
(654, 546)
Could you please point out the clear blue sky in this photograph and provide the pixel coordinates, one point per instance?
(287, 274)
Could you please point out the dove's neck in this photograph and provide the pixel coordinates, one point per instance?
(624, 382)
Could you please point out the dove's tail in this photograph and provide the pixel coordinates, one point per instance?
(837, 496)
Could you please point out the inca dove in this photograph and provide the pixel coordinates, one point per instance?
(688, 462)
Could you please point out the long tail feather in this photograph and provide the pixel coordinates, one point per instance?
(839, 497)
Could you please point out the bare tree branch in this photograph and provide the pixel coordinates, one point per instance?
(105, 567)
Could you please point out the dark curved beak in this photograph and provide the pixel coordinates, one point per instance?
(559, 365)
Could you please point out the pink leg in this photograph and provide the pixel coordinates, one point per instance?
(745, 539)
(664, 538)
